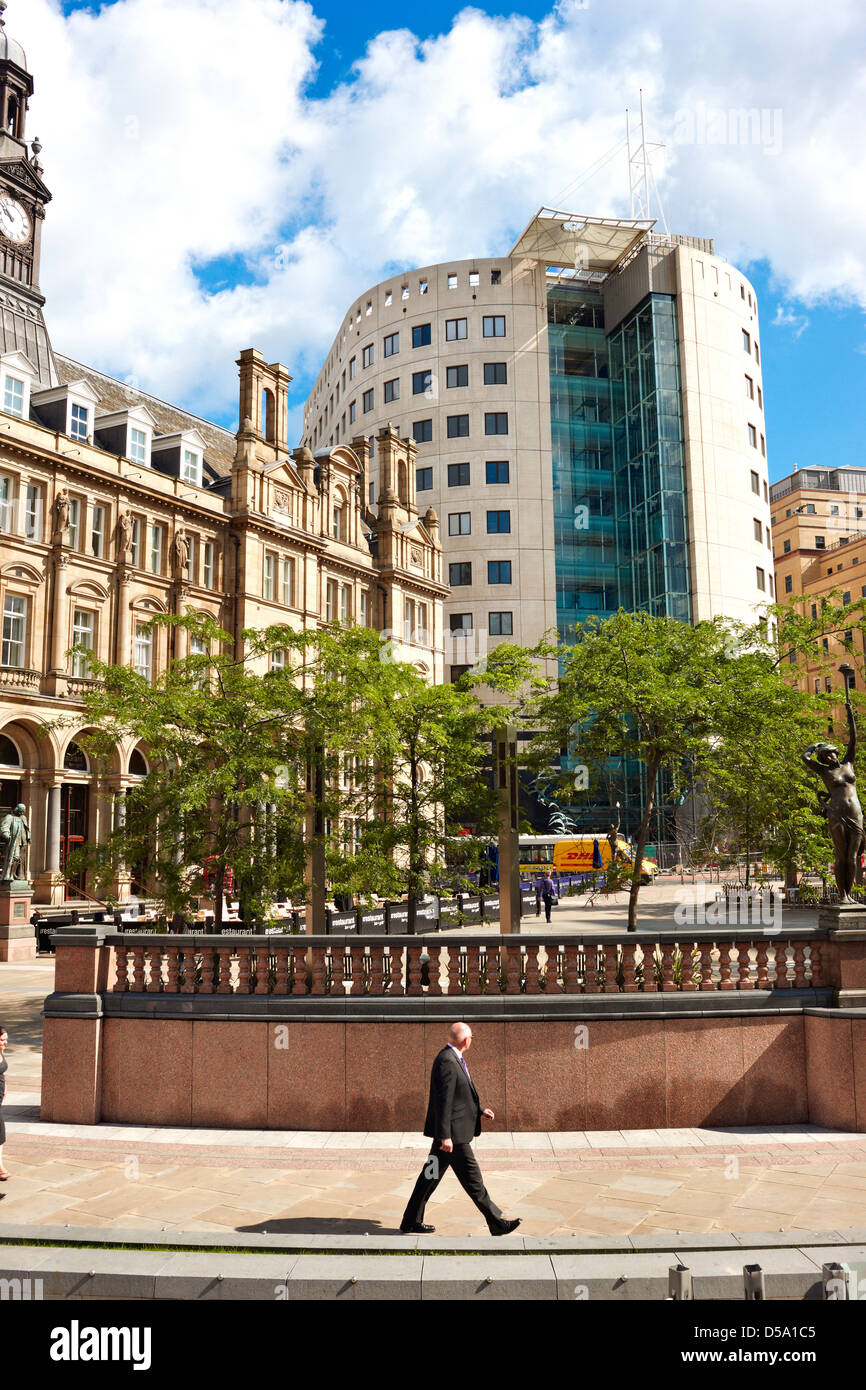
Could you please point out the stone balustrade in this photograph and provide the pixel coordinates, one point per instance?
(387, 966)
(18, 678)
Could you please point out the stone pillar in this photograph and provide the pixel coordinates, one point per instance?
(843, 955)
(72, 1042)
(315, 865)
(505, 766)
(123, 877)
(123, 653)
(49, 889)
(59, 632)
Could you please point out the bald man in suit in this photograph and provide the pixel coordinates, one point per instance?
(454, 1117)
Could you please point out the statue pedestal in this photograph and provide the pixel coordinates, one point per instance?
(17, 933)
(845, 953)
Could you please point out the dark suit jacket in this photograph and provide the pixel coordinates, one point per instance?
(454, 1110)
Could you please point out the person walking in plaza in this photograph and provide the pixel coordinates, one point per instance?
(4, 1067)
(453, 1120)
(548, 895)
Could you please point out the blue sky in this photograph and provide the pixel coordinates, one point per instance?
(251, 166)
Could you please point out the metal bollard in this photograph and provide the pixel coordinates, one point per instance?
(680, 1284)
(835, 1282)
(753, 1284)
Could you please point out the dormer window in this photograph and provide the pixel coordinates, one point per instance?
(79, 416)
(137, 446)
(18, 378)
(191, 467)
(13, 396)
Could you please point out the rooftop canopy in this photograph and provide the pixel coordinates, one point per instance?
(569, 240)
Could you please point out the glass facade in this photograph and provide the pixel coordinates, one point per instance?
(619, 506)
(650, 496)
(585, 543)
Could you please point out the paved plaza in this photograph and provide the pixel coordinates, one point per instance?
(795, 1178)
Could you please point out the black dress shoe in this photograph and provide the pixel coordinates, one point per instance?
(507, 1227)
(419, 1229)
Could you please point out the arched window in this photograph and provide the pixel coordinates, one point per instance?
(9, 754)
(75, 759)
(137, 764)
(12, 117)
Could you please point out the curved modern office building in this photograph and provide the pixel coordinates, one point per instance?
(588, 415)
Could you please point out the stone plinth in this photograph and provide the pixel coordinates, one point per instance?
(17, 933)
(845, 952)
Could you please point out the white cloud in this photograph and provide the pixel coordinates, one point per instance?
(178, 132)
(786, 318)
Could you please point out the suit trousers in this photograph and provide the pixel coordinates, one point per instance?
(465, 1165)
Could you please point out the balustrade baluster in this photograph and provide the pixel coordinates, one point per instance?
(353, 955)
(610, 967)
(320, 982)
(691, 966)
(263, 969)
(207, 969)
(630, 966)
(244, 969)
(281, 977)
(668, 951)
(815, 978)
(138, 969)
(725, 965)
(413, 969)
(121, 983)
(799, 981)
(301, 970)
(762, 964)
(532, 966)
(173, 954)
(746, 979)
(435, 984)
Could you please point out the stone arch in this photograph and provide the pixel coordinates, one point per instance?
(37, 744)
(111, 765)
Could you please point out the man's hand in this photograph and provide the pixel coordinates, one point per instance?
(446, 1145)
(488, 1114)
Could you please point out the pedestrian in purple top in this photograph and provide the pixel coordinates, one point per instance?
(548, 895)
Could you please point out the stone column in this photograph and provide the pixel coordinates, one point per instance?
(123, 653)
(48, 887)
(59, 632)
(123, 877)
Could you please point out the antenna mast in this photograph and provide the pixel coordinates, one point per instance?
(641, 178)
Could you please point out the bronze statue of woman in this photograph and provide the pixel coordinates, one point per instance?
(844, 813)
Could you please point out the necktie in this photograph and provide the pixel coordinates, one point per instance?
(466, 1069)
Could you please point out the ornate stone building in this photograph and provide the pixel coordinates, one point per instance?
(115, 506)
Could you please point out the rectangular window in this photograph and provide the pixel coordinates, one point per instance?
(452, 282)
(495, 373)
(330, 601)
(6, 500)
(493, 326)
(270, 565)
(460, 622)
(422, 286)
(97, 532)
(500, 625)
(455, 329)
(372, 492)
(747, 342)
(497, 470)
(82, 638)
(74, 521)
(846, 597)
(13, 396)
(760, 399)
(138, 446)
(757, 353)
(459, 523)
(362, 608)
(353, 412)
(423, 479)
(392, 344)
(422, 431)
(191, 470)
(392, 390)
(207, 565)
(753, 436)
(345, 606)
(421, 383)
(33, 512)
(457, 426)
(135, 543)
(78, 416)
(496, 277)
(496, 422)
(458, 475)
(14, 630)
(786, 548)
(756, 483)
(368, 401)
(142, 657)
(287, 582)
(367, 356)
(457, 376)
(760, 578)
(759, 530)
(458, 671)
(156, 550)
(763, 446)
(421, 335)
(278, 661)
(353, 368)
(498, 522)
(820, 543)
(498, 571)
(460, 574)
(474, 278)
(750, 388)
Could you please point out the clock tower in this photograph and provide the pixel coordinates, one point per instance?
(23, 197)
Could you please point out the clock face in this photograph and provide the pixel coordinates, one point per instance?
(14, 222)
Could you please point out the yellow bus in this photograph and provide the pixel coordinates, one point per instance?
(574, 854)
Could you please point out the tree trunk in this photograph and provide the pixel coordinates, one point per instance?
(643, 831)
(219, 881)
